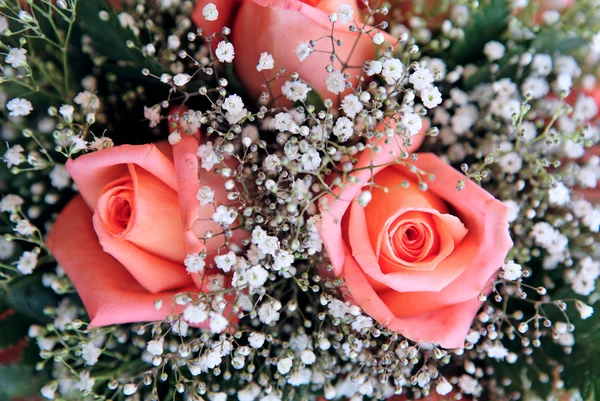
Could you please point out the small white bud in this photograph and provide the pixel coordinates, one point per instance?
(210, 12)
(443, 388)
(364, 198)
(378, 38)
(585, 311)
(175, 137)
(129, 389)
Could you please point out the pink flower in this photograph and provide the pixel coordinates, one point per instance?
(277, 27)
(416, 261)
(124, 239)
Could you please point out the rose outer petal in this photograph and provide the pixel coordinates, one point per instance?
(93, 171)
(403, 281)
(153, 272)
(197, 220)
(109, 292)
(157, 227)
(226, 8)
(334, 205)
(279, 29)
(446, 326)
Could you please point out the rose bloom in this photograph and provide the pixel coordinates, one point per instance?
(416, 261)
(277, 27)
(123, 240)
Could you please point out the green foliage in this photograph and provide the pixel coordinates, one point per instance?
(19, 381)
(580, 369)
(233, 83)
(488, 23)
(29, 297)
(13, 329)
(549, 40)
(26, 298)
(109, 38)
(313, 98)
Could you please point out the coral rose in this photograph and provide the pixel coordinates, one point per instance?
(416, 261)
(124, 239)
(277, 27)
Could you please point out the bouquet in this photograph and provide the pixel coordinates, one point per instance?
(290, 200)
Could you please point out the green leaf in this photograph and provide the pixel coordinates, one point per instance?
(313, 98)
(13, 329)
(550, 41)
(488, 23)
(484, 75)
(235, 86)
(30, 355)
(29, 297)
(19, 381)
(109, 38)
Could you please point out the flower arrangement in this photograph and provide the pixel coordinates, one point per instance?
(299, 200)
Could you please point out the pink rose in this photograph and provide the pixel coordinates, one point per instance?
(277, 27)
(124, 239)
(416, 261)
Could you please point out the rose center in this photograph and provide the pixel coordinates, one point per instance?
(121, 212)
(413, 239)
(116, 206)
(411, 234)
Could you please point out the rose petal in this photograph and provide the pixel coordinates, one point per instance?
(446, 326)
(292, 22)
(93, 171)
(226, 8)
(385, 204)
(435, 280)
(197, 220)
(186, 167)
(109, 292)
(488, 240)
(396, 247)
(154, 273)
(446, 244)
(157, 226)
(116, 197)
(334, 205)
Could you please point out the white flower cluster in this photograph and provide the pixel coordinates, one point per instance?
(553, 241)
(583, 281)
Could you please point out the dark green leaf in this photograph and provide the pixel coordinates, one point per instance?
(551, 40)
(30, 354)
(29, 297)
(110, 39)
(313, 98)
(488, 23)
(19, 381)
(233, 84)
(13, 329)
